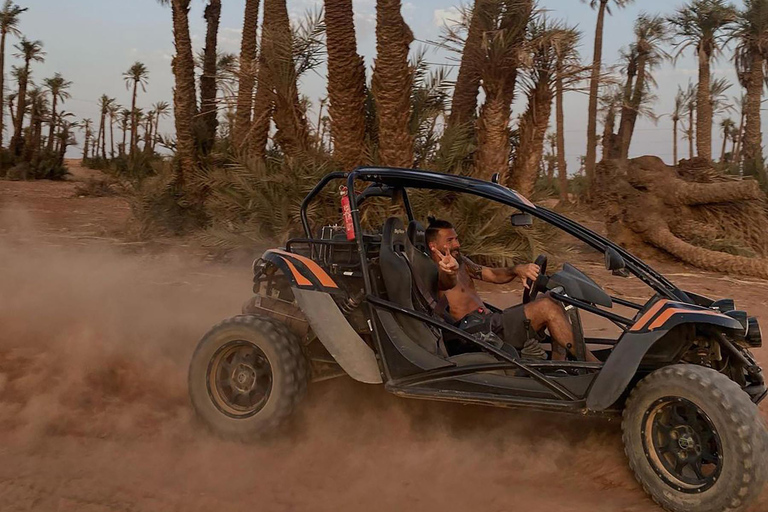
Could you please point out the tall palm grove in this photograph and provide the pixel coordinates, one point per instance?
(245, 150)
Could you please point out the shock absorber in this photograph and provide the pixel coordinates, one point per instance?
(352, 303)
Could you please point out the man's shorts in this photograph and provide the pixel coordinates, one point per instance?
(511, 325)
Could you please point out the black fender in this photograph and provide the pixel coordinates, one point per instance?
(652, 327)
(301, 272)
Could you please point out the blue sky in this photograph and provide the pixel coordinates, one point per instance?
(92, 42)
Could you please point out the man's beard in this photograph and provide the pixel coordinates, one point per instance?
(456, 253)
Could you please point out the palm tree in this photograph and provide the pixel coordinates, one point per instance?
(208, 90)
(29, 51)
(718, 100)
(702, 24)
(137, 75)
(392, 83)
(650, 35)
(38, 108)
(567, 67)
(464, 102)
(105, 102)
(161, 109)
(727, 125)
(741, 102)
(125, 117)
(57, 86)
(9, 20)
(86, 126)
(501, 59)
(676, 115)
(545, 41)
(247, 72)
(184, 95)
(346, 85)
(594, 84)
(751, 33)
(114, 113)
(280, 48)
(691, 100)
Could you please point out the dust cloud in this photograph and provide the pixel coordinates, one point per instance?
(94, 414)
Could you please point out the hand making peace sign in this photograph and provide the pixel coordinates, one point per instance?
(447, 263)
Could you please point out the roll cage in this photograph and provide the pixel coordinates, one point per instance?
(388, 179)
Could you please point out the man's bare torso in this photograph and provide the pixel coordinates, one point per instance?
(463, 298)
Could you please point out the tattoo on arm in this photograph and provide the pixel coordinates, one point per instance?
(475, 271)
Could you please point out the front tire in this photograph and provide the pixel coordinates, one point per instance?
(694, 440)
(246, 376)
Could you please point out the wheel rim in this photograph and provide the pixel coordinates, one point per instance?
(239, 379)
(682, 445)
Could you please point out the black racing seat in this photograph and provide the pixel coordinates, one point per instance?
(413, 338)
(424, 269)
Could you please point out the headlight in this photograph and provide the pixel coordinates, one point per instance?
(724, 305)
(741, 316)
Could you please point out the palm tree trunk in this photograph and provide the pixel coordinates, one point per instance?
(21, 98)
(392, 84)
(11, 110)
(208, 90)
(499, 80)
(533, 129)
(464, 102)
(627, 128)
(346, 85)
(753, 151)
(740, 139)
(85, 145)
(691, 134)
(704, 109)
(184, 96)
(103, 131)
(674, 142)
(591, 157)
(263, 105)
(2, 85)
(560, 128)
(53, 123)
(125, 131)
(157, 127)
(133, 117)
(290, 119)
(608, 126)
(722, 151)
(247, 72)
(111, 137)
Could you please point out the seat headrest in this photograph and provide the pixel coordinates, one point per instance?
(417, 236)
(393, 236)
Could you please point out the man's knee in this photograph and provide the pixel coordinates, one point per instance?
(551, 308)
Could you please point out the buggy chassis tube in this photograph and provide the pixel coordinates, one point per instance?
(553, 386)
(592, 309)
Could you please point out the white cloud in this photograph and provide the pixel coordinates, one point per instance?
(449, 16)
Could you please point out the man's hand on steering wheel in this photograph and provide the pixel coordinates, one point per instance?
(528, 273)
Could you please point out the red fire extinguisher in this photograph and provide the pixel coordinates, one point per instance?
(346, 210)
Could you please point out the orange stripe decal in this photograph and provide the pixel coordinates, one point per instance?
(300, 279)
(313, 267)
(648, 315)
(666, 315)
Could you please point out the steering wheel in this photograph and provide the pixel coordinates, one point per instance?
(530, 293)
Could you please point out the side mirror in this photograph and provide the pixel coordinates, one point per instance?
(521, 220)
(495, 178)
(614, 262)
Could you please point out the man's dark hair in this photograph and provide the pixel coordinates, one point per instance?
(434, 226)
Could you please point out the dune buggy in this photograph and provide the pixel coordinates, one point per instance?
(350, 302)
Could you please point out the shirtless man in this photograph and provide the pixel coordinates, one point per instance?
(457, 273)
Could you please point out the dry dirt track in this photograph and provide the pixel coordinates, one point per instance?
(94, 344)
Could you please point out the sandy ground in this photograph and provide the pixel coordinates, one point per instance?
(95, 338)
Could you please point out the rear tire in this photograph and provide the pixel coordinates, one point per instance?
(246, 376)
(694, 440)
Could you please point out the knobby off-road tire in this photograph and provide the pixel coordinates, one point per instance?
(739, 473)
(238, 353)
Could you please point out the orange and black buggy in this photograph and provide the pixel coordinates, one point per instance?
(359, 303)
